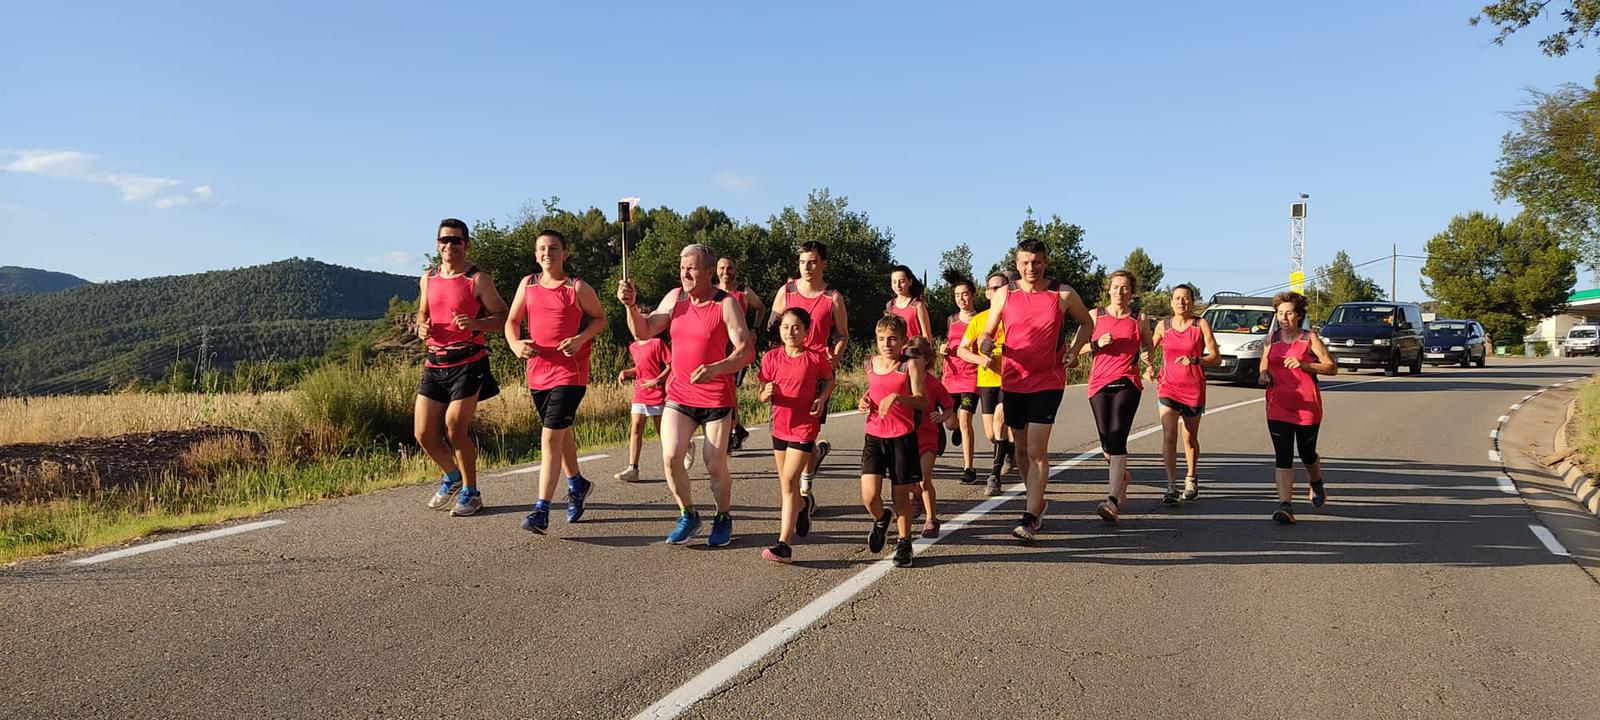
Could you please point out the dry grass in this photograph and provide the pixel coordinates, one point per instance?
(211, 457)
(56, 419)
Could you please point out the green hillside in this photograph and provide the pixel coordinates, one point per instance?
(29, 281)
(102, 335)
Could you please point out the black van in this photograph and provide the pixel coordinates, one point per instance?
(1372, 335)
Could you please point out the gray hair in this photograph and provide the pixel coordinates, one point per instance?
(708, 258)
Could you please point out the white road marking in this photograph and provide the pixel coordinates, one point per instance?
(597, 456)
(1549, 539)
(707, 682)
(1506, 486)
(1526, 398)
(1516, 407)
(1494, 434)
(184, 540)
(1503, 418)
(535, 467)
(1494, 456)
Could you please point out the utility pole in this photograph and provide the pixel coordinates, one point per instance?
(1394, 259)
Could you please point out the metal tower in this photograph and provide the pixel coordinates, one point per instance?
(1297, 244)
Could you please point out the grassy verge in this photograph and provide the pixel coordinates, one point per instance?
(1584, 432)
(344, 431)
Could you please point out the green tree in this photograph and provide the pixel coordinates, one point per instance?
(859, 254)
(1551, 164)
(1336, 283)
(1069, 261)
(1581, 16)
(1153, 299)
(1502, 274)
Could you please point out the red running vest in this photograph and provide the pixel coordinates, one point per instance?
(699, 337)
(553, 315)
(1030, 361)
(446, 297)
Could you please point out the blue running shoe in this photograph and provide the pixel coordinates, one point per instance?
(721, 530)
(537, 521)
(448, 487)
(688, 525)
(1319, 494)
(578, 490)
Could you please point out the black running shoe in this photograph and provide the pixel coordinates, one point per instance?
(969, 476)
(1171, 498)
(1284, 515)
(802, 520)
(902, 553)
(880, 532)
(1319, 494)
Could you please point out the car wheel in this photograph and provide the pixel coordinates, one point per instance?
(1483, 359)
(1416, 365)
(1393, 368)
(1466, 360)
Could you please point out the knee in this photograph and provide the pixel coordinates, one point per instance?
(458, 431)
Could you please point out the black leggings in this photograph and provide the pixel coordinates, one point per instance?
(1285, 436)
(1113, 408)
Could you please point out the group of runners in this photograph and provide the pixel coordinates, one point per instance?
(1003, 369)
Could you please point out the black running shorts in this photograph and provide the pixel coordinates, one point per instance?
(558, 406)
(1035, 408)
(780, 445)
(988, 399)
(700, 415)
(449, 384)
(895, 457)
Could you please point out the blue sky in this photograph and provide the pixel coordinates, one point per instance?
(169, 138)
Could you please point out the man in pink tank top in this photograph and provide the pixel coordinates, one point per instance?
(563, 315)
(751, 305)
(1033, 366)
(453, 311)
(703, 323)
(830, 330)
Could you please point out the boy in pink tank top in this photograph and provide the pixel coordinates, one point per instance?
(563, 315)
(1033, 367)
(830, 329)
(895, 396)
(710, 342)
(456, 304)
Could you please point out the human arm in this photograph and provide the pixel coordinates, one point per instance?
(1325, 364)
(991, 322)
(422, 308)
(1213, 356)
(926, 324)
(841, 325)
(738, 335)
(513, 324)
(641, 325)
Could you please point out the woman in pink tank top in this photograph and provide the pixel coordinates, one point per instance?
(1187, 345)
(1120, 338)
(960, 376)
(1289, 370)
(907, 303)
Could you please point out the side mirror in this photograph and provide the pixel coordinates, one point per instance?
(1404, 325)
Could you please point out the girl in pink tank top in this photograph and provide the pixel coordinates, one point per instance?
(1187, 345)
(907, 303)
(1289, 370)
(1119, 338)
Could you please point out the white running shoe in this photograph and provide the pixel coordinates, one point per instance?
(628, 475)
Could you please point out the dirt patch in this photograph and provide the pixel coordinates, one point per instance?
(41, 471)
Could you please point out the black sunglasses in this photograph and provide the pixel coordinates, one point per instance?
(451, 240)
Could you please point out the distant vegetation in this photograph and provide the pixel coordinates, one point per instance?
(111, 335)
(28, 281)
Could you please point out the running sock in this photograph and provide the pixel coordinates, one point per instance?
(805, 483)
(542, 505)
(1030, 519)
(687, 510)
(453, 475)
(633, 466)
(721, 516)
(999, 456)
(1113, 500)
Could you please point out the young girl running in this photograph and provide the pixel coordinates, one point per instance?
(790, 380)
(1186, 345)
(960, 376)
(1121, 337)
(907, 303)
(894, 396)
(930, 434)
(1289, 369)
(652, 363)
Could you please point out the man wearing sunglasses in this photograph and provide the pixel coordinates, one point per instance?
(456, 305)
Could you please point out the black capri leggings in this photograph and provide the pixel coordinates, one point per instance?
(1113, 408)
(1285, 436)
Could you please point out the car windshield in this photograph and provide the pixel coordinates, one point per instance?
(1581, 333)
(1447, 329)
(1238, 320)
(1362, 315)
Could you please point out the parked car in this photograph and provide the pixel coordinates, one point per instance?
(1240, 324)
(1455, 342)
(1376, 335)
(1582, 340)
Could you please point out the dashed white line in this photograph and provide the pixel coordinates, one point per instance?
(535, 467)
(599, 456)
(1494, 434)
(1503, 418)
(1549, 539)
(1516, 407)
(1494, 456)
(184, 540)
(1506, 486)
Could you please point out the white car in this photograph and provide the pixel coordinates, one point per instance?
(1240, 324)
(1582, 340)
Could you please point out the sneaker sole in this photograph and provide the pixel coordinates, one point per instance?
(535, 529)
(457, 512)
(1282, 518)
(781, 560)
(442, 502)
(1022, 534)
(1106, 514)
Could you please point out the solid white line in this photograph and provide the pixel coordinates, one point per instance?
(1506, 486)
(599, 456)
(775, 637)
(535, 467)
(1549, 539)
(184, 540)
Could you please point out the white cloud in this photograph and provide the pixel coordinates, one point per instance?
(77, 165)
(398, 260)
(735, 183)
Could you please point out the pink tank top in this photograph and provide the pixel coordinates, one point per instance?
(553, 315)
(960, 376)
(1182, 383)
(699, 337)
(900, 420)
(446, 297)
(908, 314)
(1293, 397)
(820, 308)
(1031, 359)
(1120, 359)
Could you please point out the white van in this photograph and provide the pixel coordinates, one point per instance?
(1240, 324)
(1582, 340)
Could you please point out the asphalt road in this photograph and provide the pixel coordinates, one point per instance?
(1419, 591)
